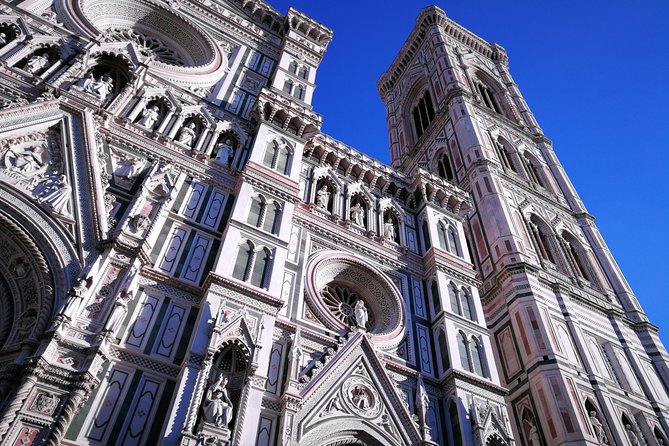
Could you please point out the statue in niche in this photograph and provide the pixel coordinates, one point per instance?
(85, 82)
(101, 88)
(598, 427)
(118, 313)
(149, 117)
(26, 160)
(358, 214)
(57, 197)
(534, 435)
(127, 168)
(75, 297)
(361, 398)
(631, 435)
(224, 151)
(422, 401)
(361, 315)
(217, 407)
(187, 134)
(389, 230)
(323, 197)
(36, 64)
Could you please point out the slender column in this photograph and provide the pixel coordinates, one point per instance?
(15, 404)
(75, 401)
(196, 399)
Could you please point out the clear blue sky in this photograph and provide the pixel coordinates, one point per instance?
(595, 74)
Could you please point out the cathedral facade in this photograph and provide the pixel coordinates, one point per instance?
(186, 259)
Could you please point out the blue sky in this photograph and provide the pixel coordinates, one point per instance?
(595, 74)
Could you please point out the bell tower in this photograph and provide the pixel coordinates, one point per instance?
(579, 358)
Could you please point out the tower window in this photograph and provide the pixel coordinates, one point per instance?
(423, 114)
(444, 167)
(488, 97)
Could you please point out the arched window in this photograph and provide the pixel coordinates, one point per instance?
(452, 241)
(443, 236)
(488, 97)
(541, 238)
(261, 268)
(243, 261)
(426, 236)
(465, 302)
(444, 167)
(478, 358)
(288, 86)
(577, 255)
(423, 114)
(304, 72)
(455, 424)
(443, 351)
(292, 67)
(271, 221)
(436, 299)
(256, 210)
(299, 92)
(504, 153)
(453, 298)
(532, 170)
(277, 156)
(463, 348)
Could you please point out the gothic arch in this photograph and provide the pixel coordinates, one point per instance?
(349, 432)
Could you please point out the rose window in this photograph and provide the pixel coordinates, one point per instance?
(148, 45)
(341, 303)
(338, 282)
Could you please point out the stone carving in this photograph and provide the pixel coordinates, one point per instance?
(139, 223)
(127, 167)
(28, 161)
(358, 215)
(389, 230)
(323, 197)
(361, 397)
(422, 402)
(161, 183)
(361, 315)
(631, 435)
(37, 64)
(598, 427)
(100, 87)
(118, 313)
(57, 195)
(187, 134)
(149, 118)
(3, 39)
(75, 297)
(534, 434)
(224, 152)
(217, 407)
(45, 403)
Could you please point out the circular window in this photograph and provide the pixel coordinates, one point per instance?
(337, 282)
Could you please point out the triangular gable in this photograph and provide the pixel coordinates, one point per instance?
(353, 393)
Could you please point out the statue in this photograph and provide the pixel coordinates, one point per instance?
(76, 296)
(118, 313)
(534, 435)
(361, 315)
(631, 435)
(217, 405)
(598, 427)
(58, 197)
(85, 82)
(323, 197)
(358, 215)
(3, 39)
(187, 134)
(389, 230)
(27, 160)
(97, 87)
(36, 64)
(149, 117)
(360, 398)
(224, 151)
(422, 401)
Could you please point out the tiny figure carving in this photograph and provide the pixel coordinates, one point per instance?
(46, 403)
(76, 296)
(361, 315)
(598, 427)
(217, 404)
(422, 401)
(26, 160)
(361, 398)
(128, 167)
(323, 197)
(631, 435)
(358, 214)
(140, 223)
(118, 313)
(58, 198)
(389, 230)
(187, 134)
(534, 435)
(36, 64)
(149, 117)
(85, 82)
(97, 87)
(224, 152)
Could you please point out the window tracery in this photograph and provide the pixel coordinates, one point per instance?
(148, 45)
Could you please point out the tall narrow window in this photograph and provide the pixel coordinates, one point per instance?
(443, 350)
(453, 298)
(299, 92)
(478, 358)
(444, 167)
(532, 172)
(436, 299)
(463, 347)
(426, 236)
(304, 72)
(282, 161)
(292, 67)
(452, 241)
(288, 86)
(260, 269)
(455, 424)
(423, 114)
(255, 211)
(465, 302)
(272, 215)
(277, 156)
(443, 236)
(270, 155)
(243, 261)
